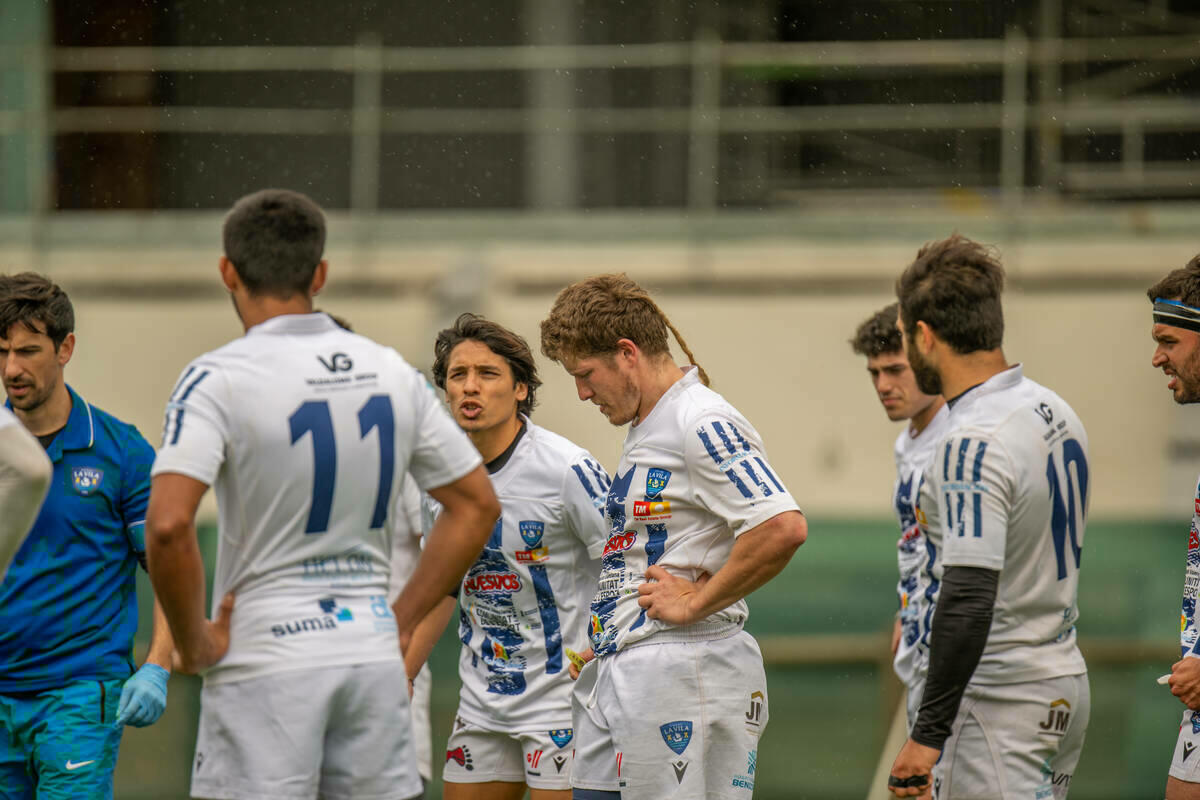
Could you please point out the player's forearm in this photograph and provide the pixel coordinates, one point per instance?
(458, 536)
(25, 474)
(162, 644)
(758, 555)
(426, 636)
(958, 636)
(177, 574)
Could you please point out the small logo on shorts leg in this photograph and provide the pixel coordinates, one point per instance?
(559, 763)
(462, 757)
(534, 760)
(680, 768)
(677, 735)
(1188, 747)
(74, 765)
(199, 760)
(1058, 719)
(561, 736)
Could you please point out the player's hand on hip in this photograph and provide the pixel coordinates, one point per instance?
(143, 697)
(578, 661)
(213, 644)
(671, 599)
(1185, 681)
(912, 771)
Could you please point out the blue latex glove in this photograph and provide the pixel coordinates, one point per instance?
(144, 697)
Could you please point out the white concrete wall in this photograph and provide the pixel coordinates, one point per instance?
(782, 359)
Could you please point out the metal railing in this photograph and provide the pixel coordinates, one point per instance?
(1057, 112)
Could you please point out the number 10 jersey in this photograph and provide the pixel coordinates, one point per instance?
(305, 431)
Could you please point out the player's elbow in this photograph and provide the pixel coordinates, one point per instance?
(790, 531)
(165, 527)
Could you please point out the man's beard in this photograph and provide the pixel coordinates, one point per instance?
(1188, 376)
(928, 379)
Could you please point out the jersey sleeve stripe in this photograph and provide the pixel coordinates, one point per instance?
(725, 440)
(182, 399)
(976, 474)
(587, 485)
(716, 457)
(761, 484)
(600, 474)
(769, 474)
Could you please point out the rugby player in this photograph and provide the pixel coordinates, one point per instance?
(68, 603)
(305, 430)
(879, 340)
(675, 698)
(1176, 332)
(523, 605)
(1002, 505)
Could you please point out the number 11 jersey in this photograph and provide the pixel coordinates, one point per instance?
(305, 431)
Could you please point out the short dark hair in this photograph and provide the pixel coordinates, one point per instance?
(1181, 284)
(500, 340)
(954, 286)
(275, 238)
(28, 298)
(878, 334)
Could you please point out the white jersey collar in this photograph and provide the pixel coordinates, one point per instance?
(691, 377)
(316, 322)
(997, 383)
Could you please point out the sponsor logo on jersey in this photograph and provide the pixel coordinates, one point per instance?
(1058, 719)
(651, 509)
(329, 606)
(560, 736)
(677, 735)
(746, 780)
(309, 625)
(656, 482)
(1188, 747)
(338, 362)
(492, 582)
(86, 480)
(460, 756)
(499, 650)
(534, 556)
(1195, 720)
(620, 542)
(531, 531)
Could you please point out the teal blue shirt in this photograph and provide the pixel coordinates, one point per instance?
(68, 605)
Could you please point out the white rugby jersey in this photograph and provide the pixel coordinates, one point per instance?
(526, 597)
(305, 430)
(408, 530)
(693, 477)
(915, 587)
(1007, 490)
(1188, 636)
(7, 417)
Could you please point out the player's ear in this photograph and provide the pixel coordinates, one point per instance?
(522, 391)
(319, 276)
(924, 337)
(66, 349)
(627, 350)
(229, 275)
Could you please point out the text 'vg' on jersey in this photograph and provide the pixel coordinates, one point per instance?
(1007, 490)
(68, 603)
(916, 585)
(525, 600)
(693, 476)
(305, 430)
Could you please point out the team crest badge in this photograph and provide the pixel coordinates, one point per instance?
(531, 532)
(677, 735)
(86, 480)
(561, 736)
(656, 481)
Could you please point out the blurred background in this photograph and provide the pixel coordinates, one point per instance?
(766, 167)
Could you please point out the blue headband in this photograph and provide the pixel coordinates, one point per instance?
(1176, 314)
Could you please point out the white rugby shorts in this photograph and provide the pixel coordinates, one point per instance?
(422, 728)
(1015, 740)
(685, 717)
(1185, 759)
(331, 732)
(540, 759)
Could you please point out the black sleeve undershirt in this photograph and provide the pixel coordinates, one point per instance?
(960, 629)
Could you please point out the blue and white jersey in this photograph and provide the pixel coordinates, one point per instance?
(525, 599)
(305, 431)
(693, 476)
(1188, 637)
(916, 586)
(1007, 490)
(68, 603)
